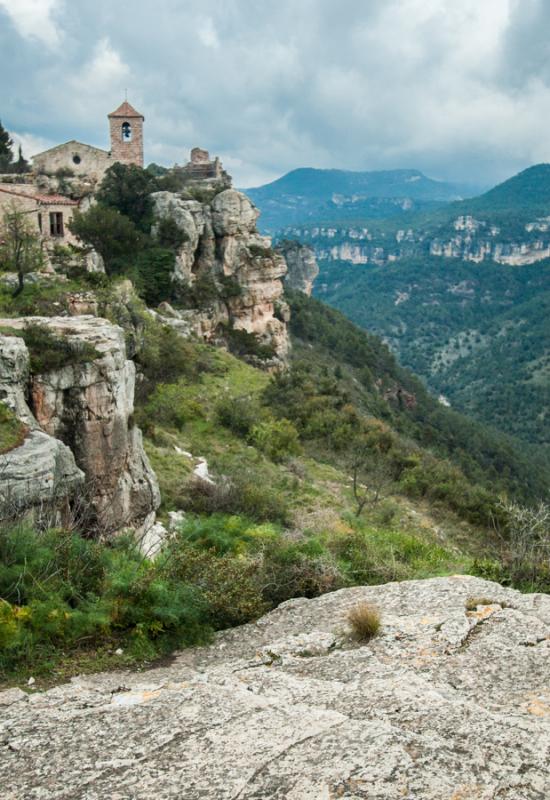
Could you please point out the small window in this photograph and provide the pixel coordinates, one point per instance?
(126, 132)
(76, 159)
(40, 222)
(56, 223)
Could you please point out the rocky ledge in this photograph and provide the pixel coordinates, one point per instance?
(451, 701)
(81, 436)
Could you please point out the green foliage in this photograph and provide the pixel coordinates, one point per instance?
(164, 357)
(59, 590)
(12, 431)
(277, 439)
(169, 405)
(227, 534)
(239, 414)
(6, 154)
(20, 246)
(243, 343)
(50, 352)
(169, 234)
(244, 493)
(113, 235)
(127, 189)
(153, 274)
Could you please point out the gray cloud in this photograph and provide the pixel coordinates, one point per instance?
(456, 89)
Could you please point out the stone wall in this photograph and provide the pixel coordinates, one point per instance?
(81, 159)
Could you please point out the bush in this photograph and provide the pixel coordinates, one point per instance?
(277, 439)
(364, 619)
(62, 591)
(238, 414)
(169, 405)
(244, 494)
(113, 235)
(50, 352)
(242, 343)
(12, 431)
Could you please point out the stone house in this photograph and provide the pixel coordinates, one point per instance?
(49, 213)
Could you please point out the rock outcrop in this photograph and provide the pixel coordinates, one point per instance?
(227, 277)
(451, 701)
(302, 265)
(80, 416)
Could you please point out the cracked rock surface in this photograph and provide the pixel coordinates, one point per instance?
(451, 701)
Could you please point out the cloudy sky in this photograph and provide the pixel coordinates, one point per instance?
(457, 88)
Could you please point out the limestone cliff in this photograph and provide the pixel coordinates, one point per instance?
(81, 417)
(301, 263)
(464, 237)
(449, 702)
(226, 276)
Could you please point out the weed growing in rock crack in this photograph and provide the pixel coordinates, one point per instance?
(364, 619)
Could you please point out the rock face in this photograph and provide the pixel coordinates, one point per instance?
(445, 703)
(226, 272)
(84, 410)
(302, 265)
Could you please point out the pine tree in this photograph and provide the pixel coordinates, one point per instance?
(6, 154)
(21, 165)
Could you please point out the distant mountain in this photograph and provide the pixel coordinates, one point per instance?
(328, 195)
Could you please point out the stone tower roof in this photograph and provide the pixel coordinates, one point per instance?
(127, 111)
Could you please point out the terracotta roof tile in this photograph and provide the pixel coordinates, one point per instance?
(45, 199)
(126, 110)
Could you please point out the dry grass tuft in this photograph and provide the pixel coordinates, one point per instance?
(364, 619)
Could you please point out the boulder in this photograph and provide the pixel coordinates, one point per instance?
(450, 701)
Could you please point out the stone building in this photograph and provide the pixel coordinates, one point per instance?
(77, 158)
(49, 213)
(65, 176)
(202, 168)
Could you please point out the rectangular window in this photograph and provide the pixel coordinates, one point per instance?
(56, 223)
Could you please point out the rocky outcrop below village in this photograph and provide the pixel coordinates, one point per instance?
(227, 276)
(302, 265)
(82, 454)
(450, 701)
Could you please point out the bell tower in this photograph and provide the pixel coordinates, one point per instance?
(126, 129)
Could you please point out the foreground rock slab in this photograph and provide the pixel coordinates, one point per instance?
(450, 702)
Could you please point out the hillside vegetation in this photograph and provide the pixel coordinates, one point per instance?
(336, 471)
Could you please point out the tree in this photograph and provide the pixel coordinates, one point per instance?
(372, 475)
(111, 234)
(21, 165)
(6, 154)
(20, 246)
(127, 188)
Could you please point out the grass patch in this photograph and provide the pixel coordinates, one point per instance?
(12, 431)
(365, 621)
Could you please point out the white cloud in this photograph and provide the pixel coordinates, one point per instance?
(34, 19)
(207, 33)
(457, 89)
(30, 144)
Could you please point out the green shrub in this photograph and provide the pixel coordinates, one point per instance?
(277, 439)
(12, 431)
(245, 493)
(238, 414)
(227, 534)
(242, 343)
(169, 405)
(228, 584)
(51, 352)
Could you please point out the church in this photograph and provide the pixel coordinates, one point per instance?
(40, 194)
(126, 135)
